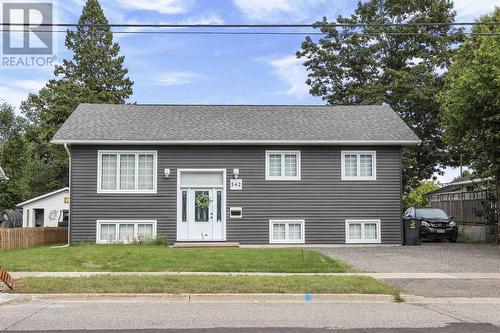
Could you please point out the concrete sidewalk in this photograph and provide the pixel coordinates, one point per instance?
(381, 276)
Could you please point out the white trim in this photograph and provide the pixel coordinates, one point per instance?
(362, 240)
(282, 153)
(118, 152)
(122, 221)
(42, 196)
(241, 142)
(179, 198)
(287, 222)
(359, 152)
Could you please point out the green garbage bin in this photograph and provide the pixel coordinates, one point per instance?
(411, 232)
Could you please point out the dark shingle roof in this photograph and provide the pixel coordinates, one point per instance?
(102, 123)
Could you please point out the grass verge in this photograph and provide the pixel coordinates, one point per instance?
(154, 258)
(207, 284)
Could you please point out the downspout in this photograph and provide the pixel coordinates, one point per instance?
(69, 186)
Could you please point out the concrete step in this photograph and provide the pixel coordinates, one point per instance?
(206, 244)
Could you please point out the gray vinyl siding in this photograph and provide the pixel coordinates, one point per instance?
(321, 198)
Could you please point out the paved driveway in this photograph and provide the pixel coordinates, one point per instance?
(429, 258)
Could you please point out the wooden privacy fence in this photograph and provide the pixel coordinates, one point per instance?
(462, 206)
(23, 238)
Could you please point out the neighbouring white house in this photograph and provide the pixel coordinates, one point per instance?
(48, 210)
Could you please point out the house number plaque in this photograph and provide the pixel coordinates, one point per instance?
(236, 184)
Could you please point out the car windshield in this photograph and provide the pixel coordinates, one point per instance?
(430, 213)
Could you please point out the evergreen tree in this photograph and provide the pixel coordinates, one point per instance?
(95, 74)
(96, 63)
(374, 65)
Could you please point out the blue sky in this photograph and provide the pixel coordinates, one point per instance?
(208, 69)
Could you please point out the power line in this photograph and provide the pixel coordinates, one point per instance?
(297, 33)
(339, 25)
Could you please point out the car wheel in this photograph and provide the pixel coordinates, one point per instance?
(453, 240)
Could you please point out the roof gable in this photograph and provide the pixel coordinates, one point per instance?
(43, 196)
(234, 124)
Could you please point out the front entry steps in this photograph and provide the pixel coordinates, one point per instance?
(205, 244)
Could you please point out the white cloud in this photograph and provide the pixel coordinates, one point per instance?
(177, 78)
(28, 85)
(269, 10)
(290, 70)
(161, 6)
(203, 19)
(470, 10)
(16, 91)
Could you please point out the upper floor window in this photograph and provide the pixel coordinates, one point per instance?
(359, 165)
(126, 172)
(282, 165)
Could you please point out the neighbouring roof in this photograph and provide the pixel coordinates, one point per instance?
(43, 196)
(234, 124)
(457, 184)
(3, 176)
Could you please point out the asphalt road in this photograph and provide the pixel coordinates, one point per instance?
(147, 314)
(453, 328)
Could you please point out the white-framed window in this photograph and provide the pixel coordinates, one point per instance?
(359, 165)
(124, 231)
(286, 231)
(282, 165)
(126, 171)
(362, 231)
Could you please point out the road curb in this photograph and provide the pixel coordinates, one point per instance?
(208, 298)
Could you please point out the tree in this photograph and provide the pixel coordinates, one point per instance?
(470, 104)
(95, 74)
(96, 63)
(15, 154)
(417, 196)
(374, 65)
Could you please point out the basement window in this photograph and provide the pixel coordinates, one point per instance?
(362, 231)
(286, 231)
(124, 231)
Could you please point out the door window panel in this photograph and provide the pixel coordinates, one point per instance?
(219, 206)
(200, 213)
(184, 206)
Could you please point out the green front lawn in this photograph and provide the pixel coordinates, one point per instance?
(206, 284)
(156, 258)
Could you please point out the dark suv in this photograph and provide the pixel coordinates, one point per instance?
(434, 223)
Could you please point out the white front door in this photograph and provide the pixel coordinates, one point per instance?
(201, 208)
(204, 214)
